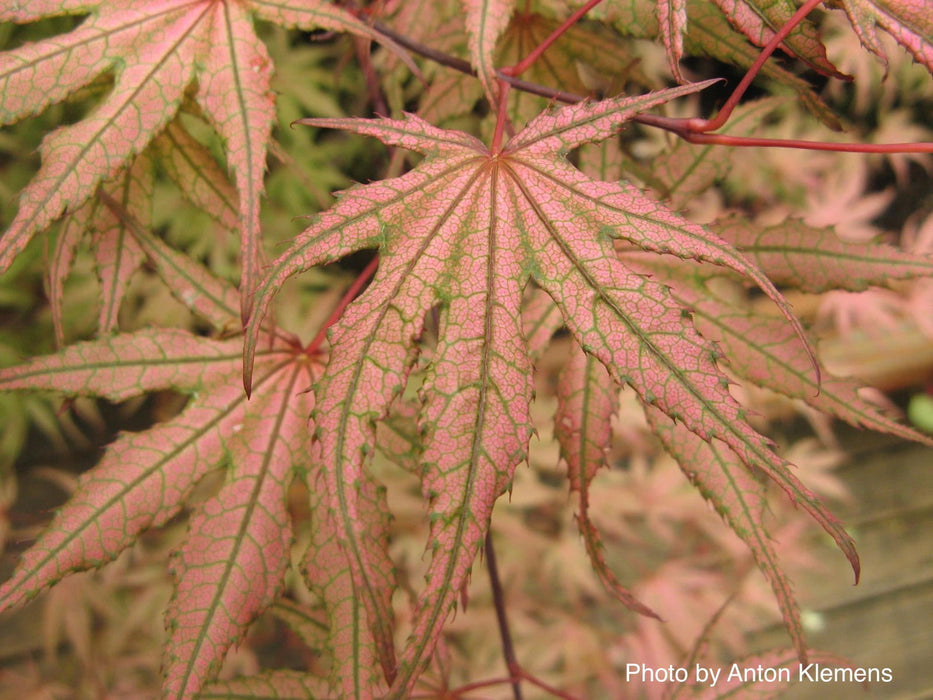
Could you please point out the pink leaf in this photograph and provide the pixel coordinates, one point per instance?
(672, 21)
(233, 562)
(817, 260)
(908, 21)
(464, 233)
(485, 22)
(759, 20)
(587, 399)
(717, 472)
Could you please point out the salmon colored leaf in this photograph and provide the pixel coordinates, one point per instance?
(274, 685)
(672, 24)
(22, 12)
(198, 175)
(719, 475)
(817, 260)
(908, 21)
(759, 20)
(485, 21)
(116, 251)
(464, 233)
(363, 657)
(761, 351)
(587, 399)
(232, 565)
(61, 259)
(157, 50)
(709, 32)
(201, 292)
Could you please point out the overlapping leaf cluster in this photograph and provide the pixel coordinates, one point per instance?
(483, 253)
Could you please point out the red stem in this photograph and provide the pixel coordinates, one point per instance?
(751, 141)
(501, 116)
(703, 125)
(345, 300)
(526, 62)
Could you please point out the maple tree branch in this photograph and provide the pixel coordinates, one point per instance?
(540, 90)
(692, 130)
(498, 596)
(439, 57)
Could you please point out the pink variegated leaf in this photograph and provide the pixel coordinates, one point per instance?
(587, 398)
(136, 485)
(232, 565)
(157, 49)
(910, 22)
(206, 296)
(485, 21)
(273, 685)
(358, 665)
(817, 260)
(116, 250)
(121, 367)
(22, 12)
(66, 245)
(159, 42)
(760, 350)
(237, 64)
(198, 175)
(672, 24)
(710, 33)
(719, 475)
(117, 231)
(759, 20)
(461, 236)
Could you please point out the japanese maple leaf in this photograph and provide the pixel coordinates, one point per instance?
(157, 50)
(232, 564)
(910, 22)
(758, 21)
(464, 235)
(115, 249)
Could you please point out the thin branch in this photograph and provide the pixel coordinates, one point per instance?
(723, 115)
(540, 90)
(498, 596)
(693, 130)
(439, 57)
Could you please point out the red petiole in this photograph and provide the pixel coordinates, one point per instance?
(352, 291)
